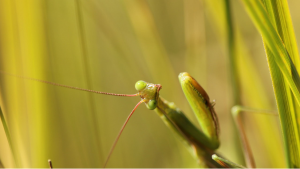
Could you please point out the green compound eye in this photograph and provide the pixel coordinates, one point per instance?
(140, 85)
(152, 104)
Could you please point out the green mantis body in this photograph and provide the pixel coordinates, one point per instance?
(200, 143)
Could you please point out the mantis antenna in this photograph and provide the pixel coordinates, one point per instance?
(87, 90)
(117, 139)
(66, 86)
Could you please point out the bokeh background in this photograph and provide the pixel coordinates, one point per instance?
(108, 45)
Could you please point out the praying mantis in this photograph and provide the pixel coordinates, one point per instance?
(201, 143)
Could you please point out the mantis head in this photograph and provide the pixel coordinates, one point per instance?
(148, 92)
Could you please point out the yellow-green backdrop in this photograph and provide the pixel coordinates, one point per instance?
(108, 45)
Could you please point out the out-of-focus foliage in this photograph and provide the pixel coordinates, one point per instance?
(108, 45)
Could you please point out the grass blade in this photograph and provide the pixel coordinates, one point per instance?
(274, 24)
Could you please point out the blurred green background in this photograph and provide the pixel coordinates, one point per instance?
(108, 45)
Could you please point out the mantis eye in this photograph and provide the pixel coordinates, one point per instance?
(140, 85)
(152, 104)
